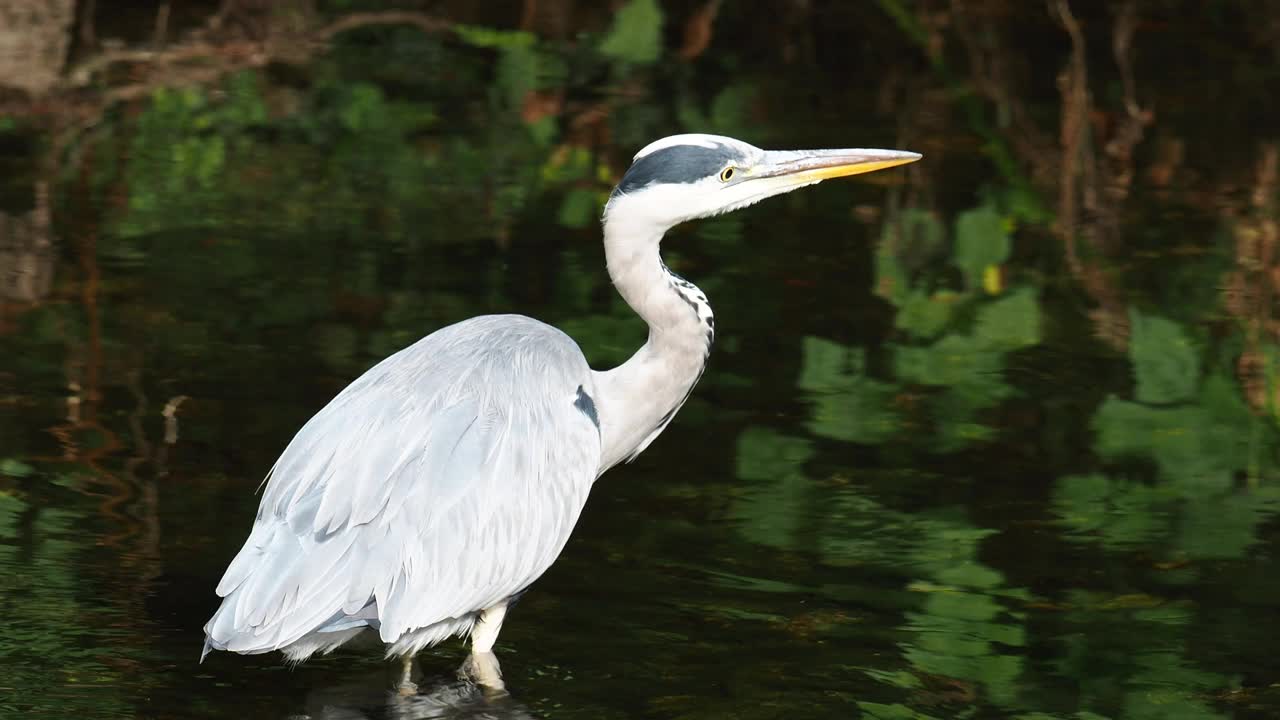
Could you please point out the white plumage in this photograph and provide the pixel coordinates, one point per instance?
(409, 503)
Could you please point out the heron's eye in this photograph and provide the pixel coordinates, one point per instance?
(727, 174)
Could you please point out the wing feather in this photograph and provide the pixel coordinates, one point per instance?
(443, 480)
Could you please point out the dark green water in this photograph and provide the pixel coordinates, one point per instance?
(933, 471)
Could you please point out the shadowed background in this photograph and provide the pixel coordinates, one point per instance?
(994, 435)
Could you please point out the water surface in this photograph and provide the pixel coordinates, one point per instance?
(937, 468)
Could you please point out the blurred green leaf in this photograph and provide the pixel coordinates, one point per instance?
(15, 468)
(771, 510)
(245, 105)
(959, 634)
(955, 360)
(636, 35)
(364, 109)
(981, 242)
(899, 678)
(948, 649)
(10, 508)
(1197, 449)
(518, 69)
(847, 405)
(1165, 363)
(578, 209)
(971, 367)
(486, 37)
(925, 316)
(1118, 513)
(767, 455)
(1011, 322)
(829, 366)
(1167, 689)
(1225, 527)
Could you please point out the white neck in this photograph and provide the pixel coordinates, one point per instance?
(637, 399)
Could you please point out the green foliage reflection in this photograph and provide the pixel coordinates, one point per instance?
(1201, 439)
(58, 665)
(847, 404)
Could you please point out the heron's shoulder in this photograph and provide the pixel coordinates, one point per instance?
(503, 336)
(509, 327)
(498, 350)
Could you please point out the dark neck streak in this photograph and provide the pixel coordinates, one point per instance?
(701, 309)
(697, 301)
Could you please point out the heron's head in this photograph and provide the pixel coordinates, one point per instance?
(684, 177)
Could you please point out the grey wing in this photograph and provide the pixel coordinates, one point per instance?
(443, 480)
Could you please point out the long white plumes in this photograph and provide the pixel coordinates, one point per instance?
(442, 481)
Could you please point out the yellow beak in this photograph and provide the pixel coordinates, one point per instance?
(810, 166)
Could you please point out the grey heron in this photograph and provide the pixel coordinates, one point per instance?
(447, 478)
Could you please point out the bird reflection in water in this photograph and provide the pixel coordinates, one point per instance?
(477, 694)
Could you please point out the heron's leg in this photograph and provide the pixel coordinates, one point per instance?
(482, 666)
(485, 632)
(407, 686)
